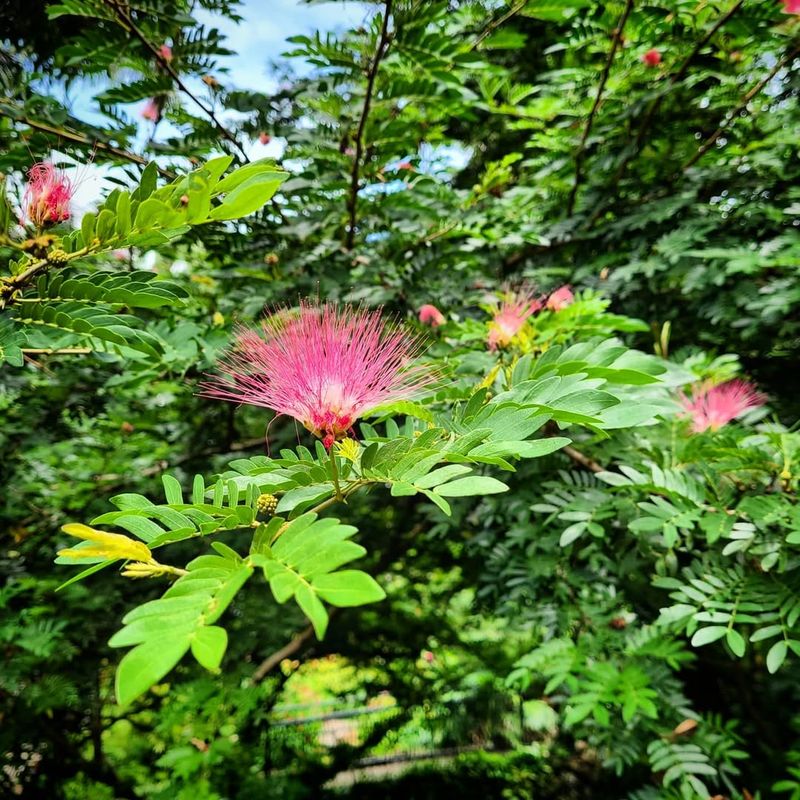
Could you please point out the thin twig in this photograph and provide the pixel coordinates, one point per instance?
(583, 460)
(127, 22)
(10, 286)
(289, 649)
(352, 200)
(79, 138)
(616, 38)
(493, 26)
(64, 351)
(742, 107)
(654, 107)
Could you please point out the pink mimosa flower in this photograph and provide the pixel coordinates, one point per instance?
(716, 406)
(791, 6)
(47, 195)
(264, 138)
(509, 318)
(430, 315)
(165, 51)
(652, 58)
(325, 366)
(560, 298)
(151, 111)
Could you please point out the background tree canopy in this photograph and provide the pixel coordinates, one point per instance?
(566, 567)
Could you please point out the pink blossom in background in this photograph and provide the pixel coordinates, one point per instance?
(428, 656)
(652, 58)
(404, 165)
(716, 406)
(165, 51)
(47, 195)
(264, 138)
(560, 298)
(509, 318)
(430, 315)
(151, 111)
(791, 6)
(325, 366)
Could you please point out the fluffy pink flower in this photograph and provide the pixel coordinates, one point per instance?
(509, 318)
(791, 6)
(264, 138)
(430, 315)
(325, 366)
(151, 111)
(165, 51)
(560, 298)
(716, 406)
(652, 58)
(47, 195)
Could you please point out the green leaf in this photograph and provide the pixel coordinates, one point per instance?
(146, 665)
(312, 607)
(209, 645)
(708, 635)
(736, 642)
(350, 587)
(776, 656)
(473, 485)
(248, 196)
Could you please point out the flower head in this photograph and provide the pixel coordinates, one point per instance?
(652, 58)
(151, 111)
(430, 315)
(716, 406)
(511, 315)
(165, 51)
(791, 6)
(560, 298)
(47, 195)
(325, 366)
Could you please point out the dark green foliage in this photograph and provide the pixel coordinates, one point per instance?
(538, 558)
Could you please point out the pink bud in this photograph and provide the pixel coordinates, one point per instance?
(430, 315)
(560, 298)
(791, 6)
(405, 165)
(151, 111)
(652, 58)
(184, 199)
(428, 656)
(264, 138)
(165, 51)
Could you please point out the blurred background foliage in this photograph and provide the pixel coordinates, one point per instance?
(436, 150)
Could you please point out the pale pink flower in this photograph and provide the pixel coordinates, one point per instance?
(47, 195)
(652, 58)
(165, 51)
(430, 315)
(325, 366)
(151, 111)
(791, 6)
(560, 298)
(509, 318)
(715, 406)
(264, 138)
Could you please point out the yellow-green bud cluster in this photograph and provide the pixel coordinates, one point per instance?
(267, 503)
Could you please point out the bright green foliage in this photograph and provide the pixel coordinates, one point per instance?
(537, 557)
